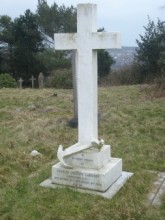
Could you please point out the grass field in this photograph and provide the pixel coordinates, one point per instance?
(132, 121)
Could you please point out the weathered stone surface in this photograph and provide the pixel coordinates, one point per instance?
(108, 194)
(32, 79)
(73, 123)
(99, 180)
(41, 79)
(91, 159)
(85, 42)
(154, 197)
(20, 83)
(35, 153)
(92, 169)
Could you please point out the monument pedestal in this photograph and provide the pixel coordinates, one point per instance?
(99, 180)
(92, 169)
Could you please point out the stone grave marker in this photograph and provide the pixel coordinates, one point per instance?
(20, 83)
(88, 164)
(32, 79)
(74, 121)
(41, 79)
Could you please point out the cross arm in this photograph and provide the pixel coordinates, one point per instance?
(103, 40)
(65, 41)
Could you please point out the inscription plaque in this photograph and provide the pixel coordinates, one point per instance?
(99, 180)
(90, 159)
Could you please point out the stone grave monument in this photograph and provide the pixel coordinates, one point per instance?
(32, 79)
(88, 164)
(20, 83)
(74, 121)
(41, 80)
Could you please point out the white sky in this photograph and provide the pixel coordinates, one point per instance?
(125, 16)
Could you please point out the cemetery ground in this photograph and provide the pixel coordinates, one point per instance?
(132, 121)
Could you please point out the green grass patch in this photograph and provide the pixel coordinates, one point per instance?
(132, 123)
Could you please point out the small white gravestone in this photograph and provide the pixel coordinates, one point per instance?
(20, 83)
(88, 163)
(32, 79)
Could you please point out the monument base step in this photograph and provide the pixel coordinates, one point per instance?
(99, 180)
(92, 158)
(108, 194)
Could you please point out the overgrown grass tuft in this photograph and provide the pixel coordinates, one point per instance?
(131, 122)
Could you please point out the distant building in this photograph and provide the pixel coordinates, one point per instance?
(123, 56)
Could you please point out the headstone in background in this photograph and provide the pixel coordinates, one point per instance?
(41, 79)
(32, 79)
(20, 83)
(74, 121)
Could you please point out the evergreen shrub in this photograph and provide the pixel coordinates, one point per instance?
(60, 78)
(7, 81)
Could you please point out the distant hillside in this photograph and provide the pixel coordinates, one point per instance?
(123, 56)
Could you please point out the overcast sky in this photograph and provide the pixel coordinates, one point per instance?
(125, 16)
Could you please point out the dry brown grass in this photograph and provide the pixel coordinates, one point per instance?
(133, 124)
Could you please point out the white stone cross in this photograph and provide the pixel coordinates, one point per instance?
(32, 79)
(85, 42)
(20, 83)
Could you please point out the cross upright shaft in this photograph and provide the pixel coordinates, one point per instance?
(85, 42)
(87, 75)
